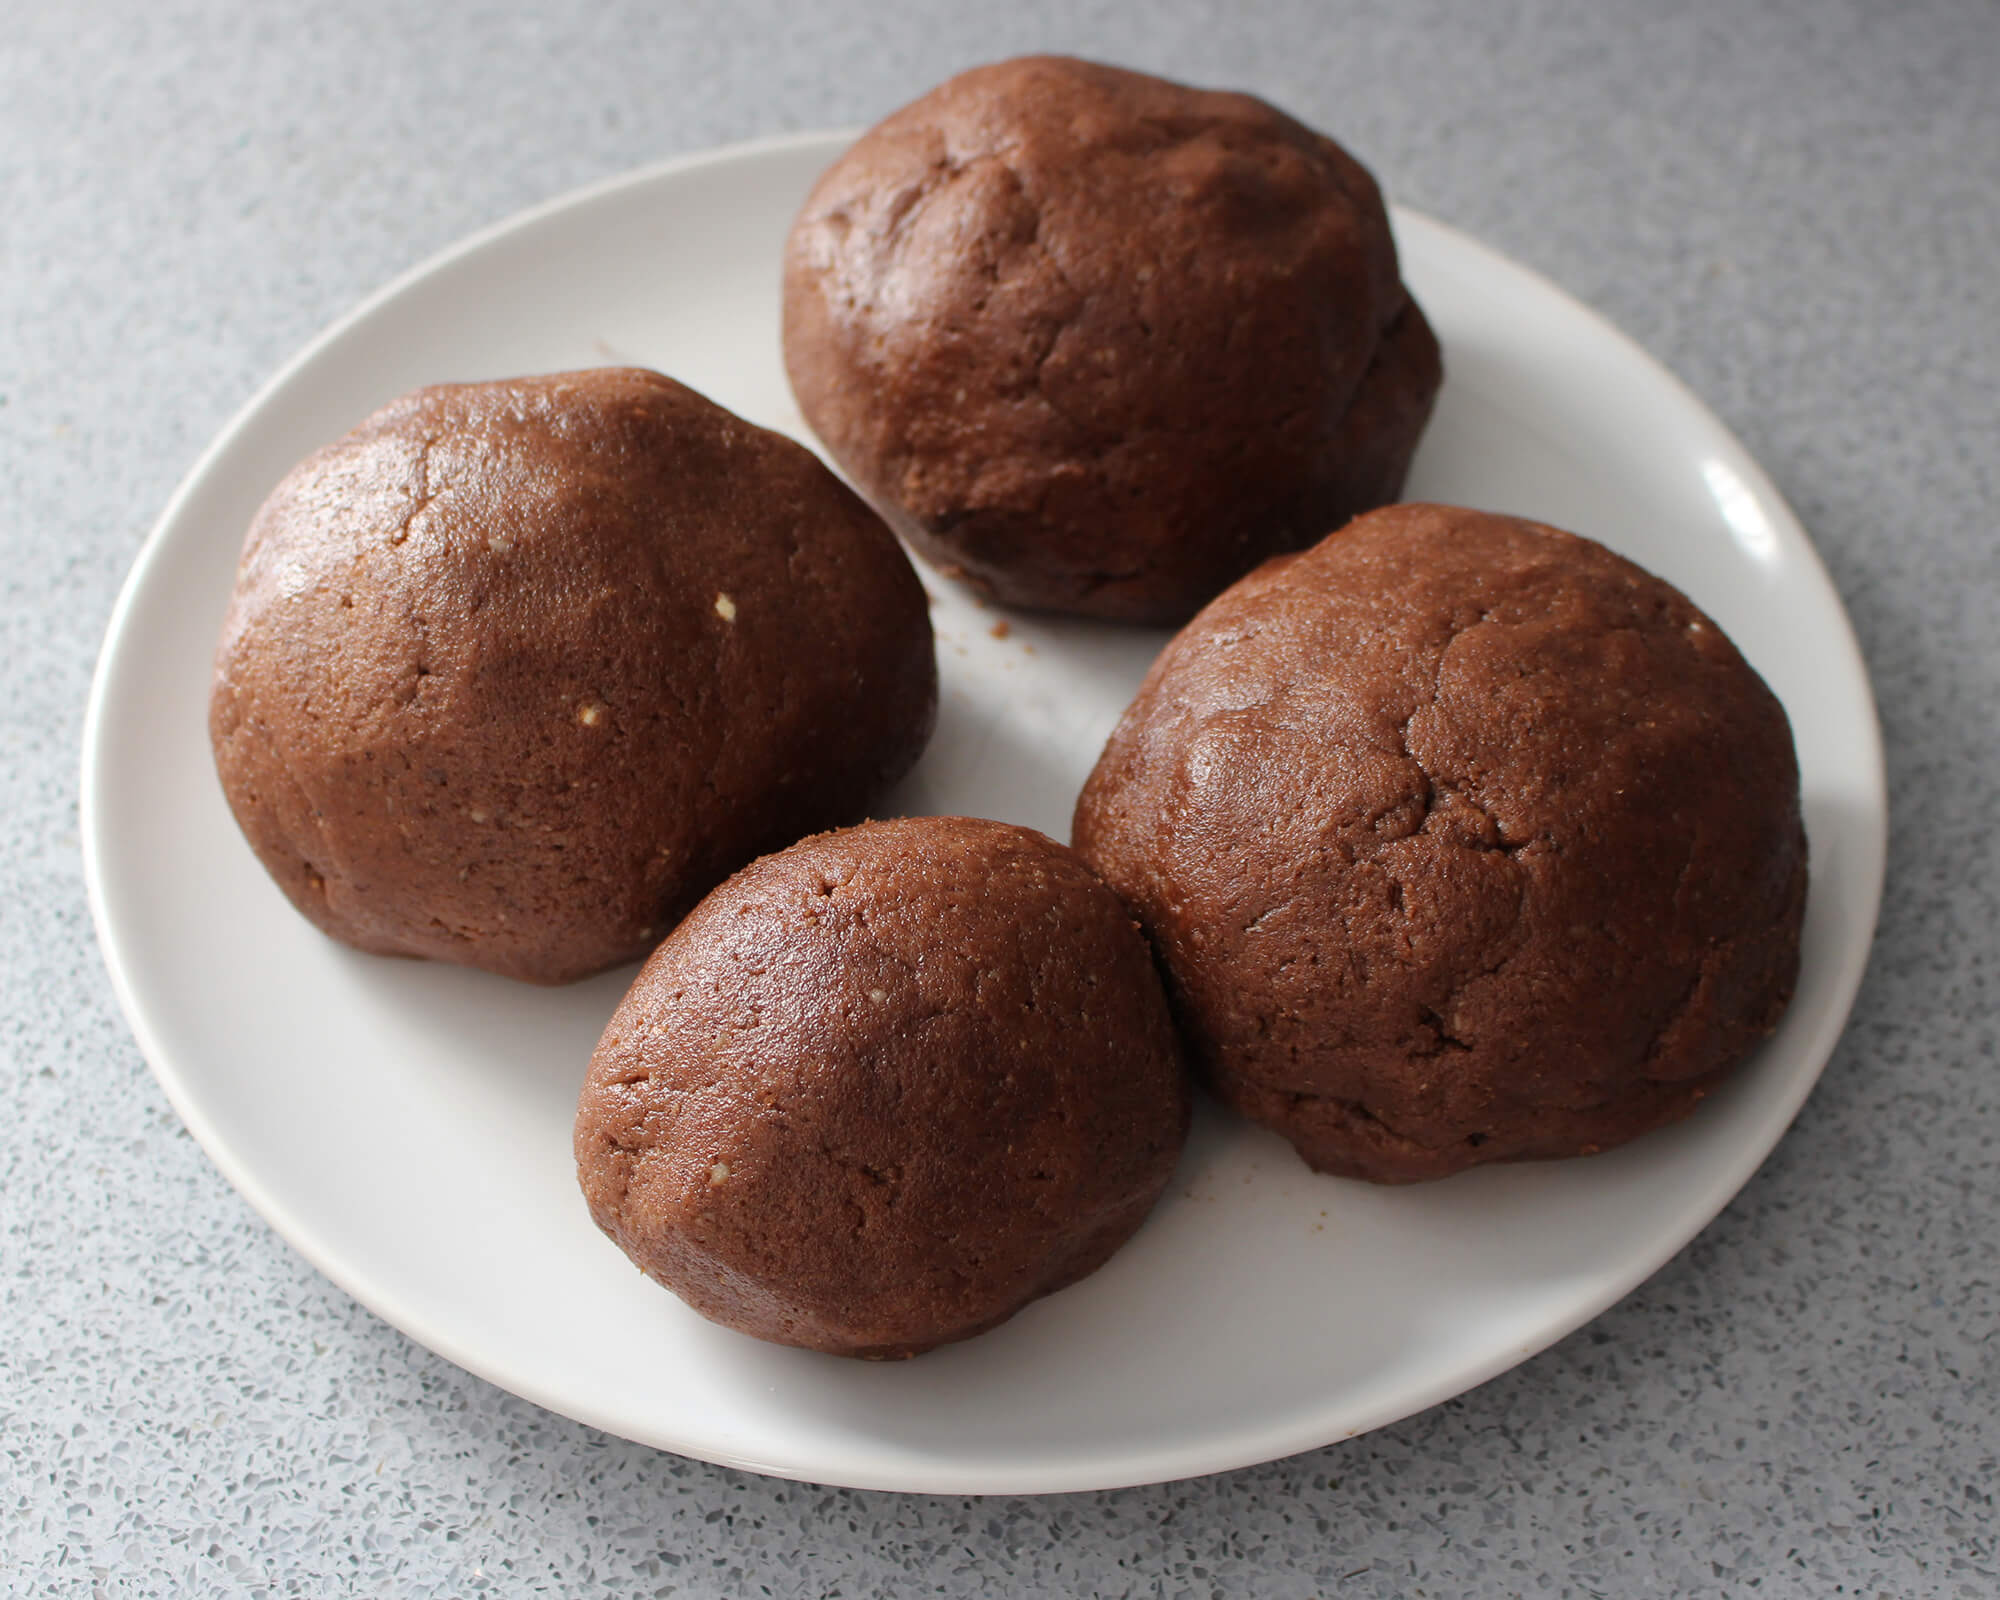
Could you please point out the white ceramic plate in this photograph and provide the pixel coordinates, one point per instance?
(407, 1126)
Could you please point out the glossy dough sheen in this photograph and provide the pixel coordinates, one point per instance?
(1100, 343)
(881, 1090)
(1463, 839)
(515, 672)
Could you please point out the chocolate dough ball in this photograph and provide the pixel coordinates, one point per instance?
(1462, 839)
(882, 1089)
(515, 672)
(1101, 343)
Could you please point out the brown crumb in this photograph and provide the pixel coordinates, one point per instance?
(1001, 629)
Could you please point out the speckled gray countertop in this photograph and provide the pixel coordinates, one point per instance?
(1795, 205)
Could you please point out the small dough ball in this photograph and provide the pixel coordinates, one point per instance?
(1100, 343)
(515, 672)
(1462, 839)
(882, 1089)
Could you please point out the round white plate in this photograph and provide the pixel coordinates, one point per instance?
(407, 1126)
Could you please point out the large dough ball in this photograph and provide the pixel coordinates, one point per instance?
(515, 672)
(882, 1089)
(1462, 839)
(1101, 343)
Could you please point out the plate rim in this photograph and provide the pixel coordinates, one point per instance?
(1152, 1465)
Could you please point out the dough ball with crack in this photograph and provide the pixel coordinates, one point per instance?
(1100, 343)
(883, 1089)
(515, 672)
(1462, 839)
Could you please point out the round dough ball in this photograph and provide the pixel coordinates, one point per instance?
(1462, 839)
(515, 672)
(882, 1089)
(1100, 343)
